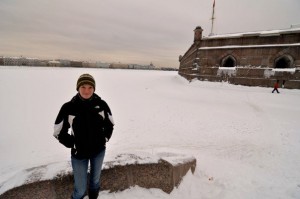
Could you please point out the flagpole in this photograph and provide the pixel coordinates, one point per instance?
(212, 20)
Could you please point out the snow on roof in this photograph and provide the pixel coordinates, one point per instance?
(54, 62)
(292, 70)
(21, 57)
(264, 33)
(248, 46)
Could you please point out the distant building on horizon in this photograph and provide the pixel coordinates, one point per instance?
(102, 65)
(251, 58)
(1, 61)
(24, 61)
(132, 66)
(54, 63)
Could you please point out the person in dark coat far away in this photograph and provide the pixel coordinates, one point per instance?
(90, 122)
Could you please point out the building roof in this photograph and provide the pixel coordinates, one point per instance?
(247, 46)
(264, 33)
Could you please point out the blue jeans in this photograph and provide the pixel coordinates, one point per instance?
(80, 171)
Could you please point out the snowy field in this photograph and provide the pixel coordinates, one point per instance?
(246, 140)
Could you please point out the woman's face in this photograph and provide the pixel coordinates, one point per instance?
(86, 91)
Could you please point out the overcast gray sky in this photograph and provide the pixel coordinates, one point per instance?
(129, 31)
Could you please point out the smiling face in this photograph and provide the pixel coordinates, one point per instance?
(86, 91)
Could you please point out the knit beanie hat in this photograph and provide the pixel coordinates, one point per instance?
(85, 79)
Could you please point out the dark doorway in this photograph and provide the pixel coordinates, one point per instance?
(282, 63)
(229, 62)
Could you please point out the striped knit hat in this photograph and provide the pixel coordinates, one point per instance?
(85, 79)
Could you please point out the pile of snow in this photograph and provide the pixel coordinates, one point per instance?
(246, 139)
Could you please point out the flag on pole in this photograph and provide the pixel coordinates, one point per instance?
(212, 19)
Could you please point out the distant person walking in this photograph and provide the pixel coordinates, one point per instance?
(90, 121)
(276, 86)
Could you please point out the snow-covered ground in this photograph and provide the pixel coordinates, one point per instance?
(246, 139)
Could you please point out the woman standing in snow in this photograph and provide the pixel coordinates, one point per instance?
(91, 124)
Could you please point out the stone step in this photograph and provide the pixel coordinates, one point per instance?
(163, 171)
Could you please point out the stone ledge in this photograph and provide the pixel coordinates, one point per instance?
(163, 171)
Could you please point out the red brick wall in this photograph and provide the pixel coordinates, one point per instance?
(250, 54)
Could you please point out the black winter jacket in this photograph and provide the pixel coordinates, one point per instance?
(84, 125)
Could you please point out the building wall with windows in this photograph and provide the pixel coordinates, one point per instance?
(13, 61)
(21, 61)
(252, 59)
(76, 64)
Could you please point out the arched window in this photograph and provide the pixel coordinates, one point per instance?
(228, 61)
(285, 61)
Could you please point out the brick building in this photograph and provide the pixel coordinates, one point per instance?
(1, 61)
(251, 58)
(76, 64)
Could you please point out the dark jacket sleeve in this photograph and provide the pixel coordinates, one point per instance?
(61, 128)
(108, 122)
